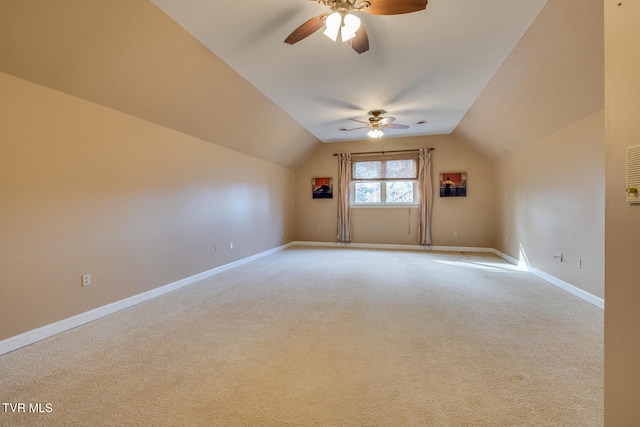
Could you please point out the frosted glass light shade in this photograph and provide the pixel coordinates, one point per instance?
(351, 25)
(333, 22)
(375, 133)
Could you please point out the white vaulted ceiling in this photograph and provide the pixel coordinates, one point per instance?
(423, 66)
(495, 73)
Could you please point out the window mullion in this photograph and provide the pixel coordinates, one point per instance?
(375, 176)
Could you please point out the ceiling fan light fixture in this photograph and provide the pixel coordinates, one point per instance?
(341, 19)
(351, 25)
(333, 22)
(375, 133)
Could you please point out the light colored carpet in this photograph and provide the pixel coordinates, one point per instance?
(331, 337)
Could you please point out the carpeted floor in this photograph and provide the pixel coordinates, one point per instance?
(327, 337)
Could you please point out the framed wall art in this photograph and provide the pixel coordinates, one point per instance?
(322, 188)
(453, 184)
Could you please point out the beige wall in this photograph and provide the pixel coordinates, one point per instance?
(470, 217)
(552, 78)
(622, 245)
(87, 189)
(550, 201)
(541, 118)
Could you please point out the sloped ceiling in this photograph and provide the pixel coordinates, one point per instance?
(426, 66)
(467, 66)
(130, 56)
(553, 77)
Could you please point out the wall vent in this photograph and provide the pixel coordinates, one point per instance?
(633, 174)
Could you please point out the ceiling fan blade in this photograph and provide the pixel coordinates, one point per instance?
(360, 43)
(392, 126)
(360, 121)
(306, 29)
(387, 120)
(361, 127)
(395, 7)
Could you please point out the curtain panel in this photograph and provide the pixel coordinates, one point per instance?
(425, 188)
(344, 198)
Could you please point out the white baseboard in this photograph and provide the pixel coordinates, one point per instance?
(392, 246)
(506, 257)
(47, 331)
(592, 299)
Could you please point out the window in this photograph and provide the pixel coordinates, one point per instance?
(384, 182)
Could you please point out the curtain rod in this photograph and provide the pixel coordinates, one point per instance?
(385, 152)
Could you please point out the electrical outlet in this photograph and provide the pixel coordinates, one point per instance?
(230, 245)
(86, 280)
(578, 263)
(455, 234)
(217, 248)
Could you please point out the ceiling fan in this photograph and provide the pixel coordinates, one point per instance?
(342, 21)
(377, 123)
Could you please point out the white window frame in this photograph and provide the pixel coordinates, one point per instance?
(383, 194)
(383, 182)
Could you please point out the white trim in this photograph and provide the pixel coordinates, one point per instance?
(505, 257)
(47, 331)
(392, 246)
(590, 298)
